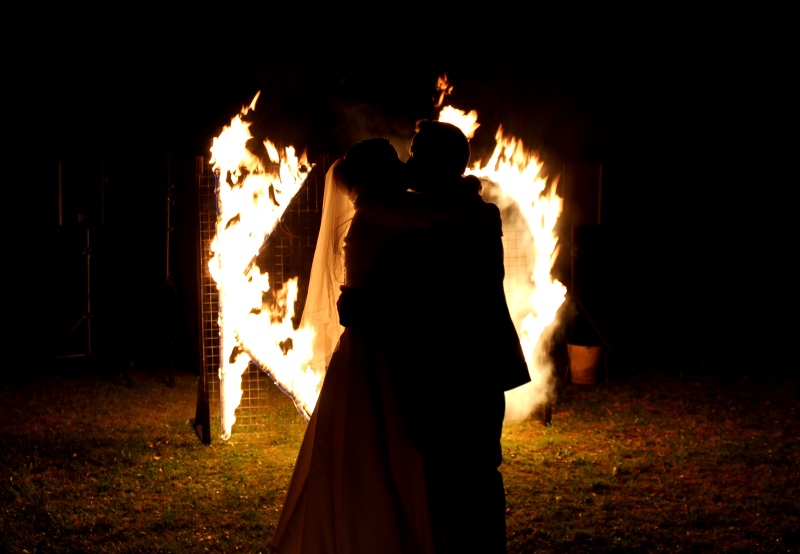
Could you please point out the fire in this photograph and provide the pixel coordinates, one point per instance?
(443, 87)
(515, 180)
(252, 197)
(467, 122)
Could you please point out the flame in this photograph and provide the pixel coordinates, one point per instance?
(254, 325)
(467, 122)
(518, 182)
(444, 88)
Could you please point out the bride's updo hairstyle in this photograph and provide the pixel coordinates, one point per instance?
(371, 167)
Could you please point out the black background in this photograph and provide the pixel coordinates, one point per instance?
(667, 105)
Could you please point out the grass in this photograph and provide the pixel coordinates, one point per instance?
(661, 460)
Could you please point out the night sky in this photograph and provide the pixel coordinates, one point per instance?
(124, 105)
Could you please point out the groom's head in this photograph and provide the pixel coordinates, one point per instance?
(439, 151)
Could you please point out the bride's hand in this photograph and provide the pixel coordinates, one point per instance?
(349, 306)
(343, 289)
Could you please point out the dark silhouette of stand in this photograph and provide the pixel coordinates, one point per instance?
(85, 319)
(171, 293)
(85, 217)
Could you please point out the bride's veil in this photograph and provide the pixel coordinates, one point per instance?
(327, 272)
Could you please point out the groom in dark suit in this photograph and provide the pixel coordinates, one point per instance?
(456, 348)
(477, 354)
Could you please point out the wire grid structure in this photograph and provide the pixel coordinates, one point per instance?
(518, 252)
(288, 253)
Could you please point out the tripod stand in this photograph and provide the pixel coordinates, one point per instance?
(90, 218)
(86, 317)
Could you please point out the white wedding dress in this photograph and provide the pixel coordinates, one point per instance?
(358, 485)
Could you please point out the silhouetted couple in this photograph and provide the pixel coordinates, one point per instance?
(402, 451)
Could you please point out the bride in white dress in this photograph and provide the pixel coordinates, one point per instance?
(358, 484)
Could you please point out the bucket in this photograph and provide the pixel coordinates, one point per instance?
(583, 362)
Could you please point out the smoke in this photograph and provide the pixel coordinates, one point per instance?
(358, 121)
(522, 401)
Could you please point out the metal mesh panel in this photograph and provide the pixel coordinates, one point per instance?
(518, 253)
(287, 254)
(517, 248)
(208, 301)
